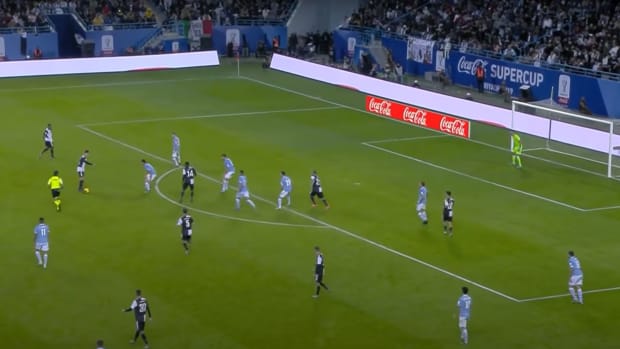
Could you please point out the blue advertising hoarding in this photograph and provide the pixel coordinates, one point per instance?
(10, 44)
(601, 95)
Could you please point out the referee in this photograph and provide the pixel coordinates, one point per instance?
(55, 183)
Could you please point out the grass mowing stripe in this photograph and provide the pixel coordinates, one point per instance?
(111, 84)
(310, 218)
(207, 116)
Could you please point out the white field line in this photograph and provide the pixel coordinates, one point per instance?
(112, 84)
(486, 181)
(535, 299)
(533, 149)
(318, 221)
(217, 215)
(606, 208)
(393, 140)
(207, 116)
(344, 106)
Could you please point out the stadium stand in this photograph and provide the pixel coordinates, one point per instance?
(19, 15)
(579, 33)
(230, 12)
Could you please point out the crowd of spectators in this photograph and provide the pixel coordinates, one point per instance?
(582, 33)
(21, 14)
(100, 13)
(228, 12)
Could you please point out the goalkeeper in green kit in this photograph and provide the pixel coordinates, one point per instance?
(517, 148)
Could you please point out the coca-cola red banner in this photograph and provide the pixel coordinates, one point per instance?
(418, 116)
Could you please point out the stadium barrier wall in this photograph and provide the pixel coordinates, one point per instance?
(452, 106)
(116, 42)
(108, 64)
(222, 35)
(568, 88)
(10, 45)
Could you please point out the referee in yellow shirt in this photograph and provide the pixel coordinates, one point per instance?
(55, 184)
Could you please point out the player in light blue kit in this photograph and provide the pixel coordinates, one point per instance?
(176, 150)
(287, 186)
(41, 241)
(243, 191)
(464, 305)
(150, 175)
(421, 206)
(575, 280)
(229, 171)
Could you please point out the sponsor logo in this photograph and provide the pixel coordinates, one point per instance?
(469, 67)
(419, 117)
(414, 116)
(501, 72)
(380, 106)
(453, 126)
(563, 89)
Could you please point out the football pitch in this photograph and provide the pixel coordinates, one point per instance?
(248, 282)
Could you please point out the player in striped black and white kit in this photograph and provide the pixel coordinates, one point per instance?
(189, 174)
(81, 169)
(48, 140)
(319, 271)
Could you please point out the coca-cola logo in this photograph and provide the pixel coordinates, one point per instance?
(381, 107)
(452, 126)
(469, 67)
(414, 116)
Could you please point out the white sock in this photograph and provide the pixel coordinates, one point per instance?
(147, 186)
(225, 185)
(38, 254)
(44, 260)
(279, 203)
(289, 200)
(465, 335)
(580, 295)
(251, 203)
(424, 217)
(572, 293)
(237, 203)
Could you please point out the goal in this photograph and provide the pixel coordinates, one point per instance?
(585, 143)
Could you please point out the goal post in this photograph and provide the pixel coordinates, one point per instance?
(582, 142)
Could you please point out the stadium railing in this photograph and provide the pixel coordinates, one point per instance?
(367, 33)
(29, 30)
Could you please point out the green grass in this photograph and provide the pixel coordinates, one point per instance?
(248, 282)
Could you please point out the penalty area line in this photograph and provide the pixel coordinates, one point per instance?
(321, 222)
(537, 299)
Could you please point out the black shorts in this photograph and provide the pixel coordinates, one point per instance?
(186, 237)
(317, 193)
(49, 145)
(188, 185)
(447, 217)
(318, 277)
(140, 325)
(55, 193)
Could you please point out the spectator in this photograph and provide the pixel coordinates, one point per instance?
(583, 107)
(443, 78)
(503, 91)
(37, 53)
(399, 73)
(480, 77)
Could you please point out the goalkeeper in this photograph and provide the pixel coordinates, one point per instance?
(517, 148)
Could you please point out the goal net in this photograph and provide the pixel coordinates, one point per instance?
(568, 139)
